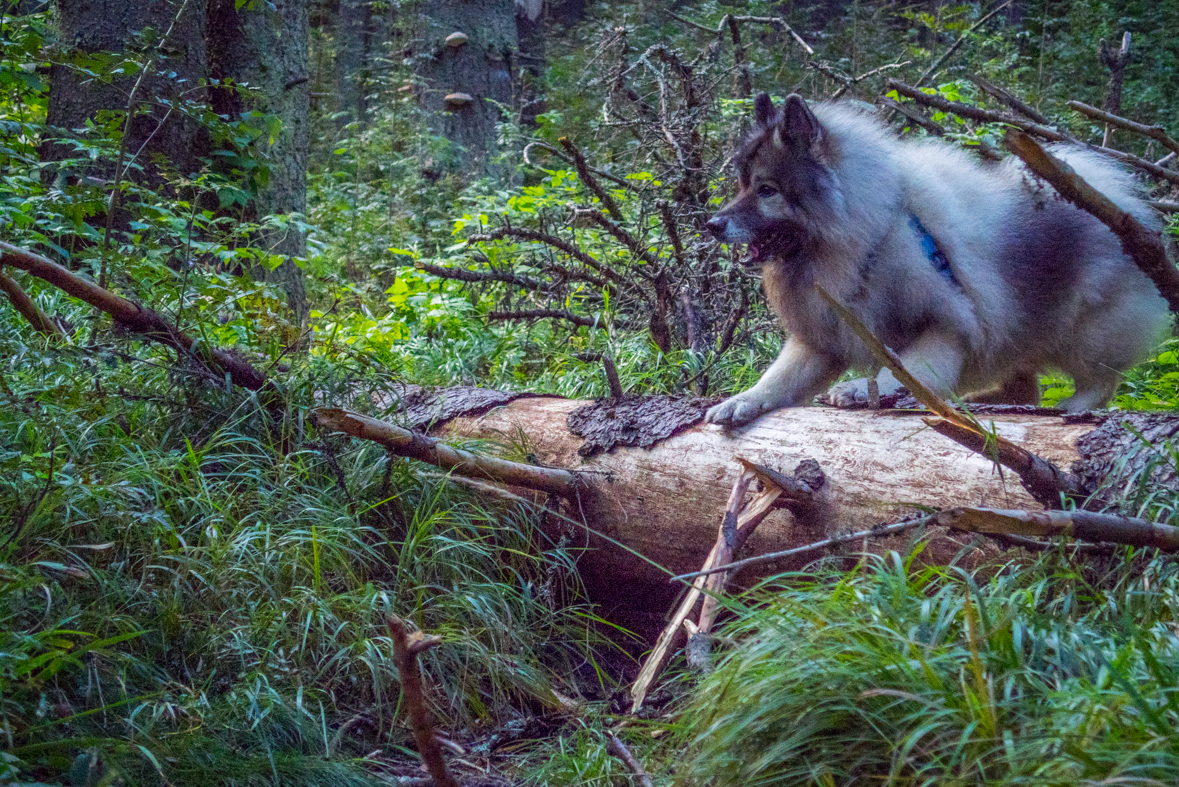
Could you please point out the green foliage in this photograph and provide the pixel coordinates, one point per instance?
(1046, 672)
(214, 584)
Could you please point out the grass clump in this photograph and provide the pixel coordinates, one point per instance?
(1044, 673)
(194, 590)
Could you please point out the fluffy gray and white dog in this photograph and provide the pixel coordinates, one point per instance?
(976, 275)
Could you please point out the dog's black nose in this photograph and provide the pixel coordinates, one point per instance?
(716, 225)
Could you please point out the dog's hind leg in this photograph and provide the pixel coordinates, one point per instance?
(1019, 388)
(1095, 386)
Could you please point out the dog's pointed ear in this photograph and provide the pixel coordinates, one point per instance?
(763, 109)
(798, 122)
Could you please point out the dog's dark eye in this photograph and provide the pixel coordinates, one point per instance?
(765, 190)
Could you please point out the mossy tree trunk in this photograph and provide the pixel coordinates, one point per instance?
(480, 68)
(266, 46)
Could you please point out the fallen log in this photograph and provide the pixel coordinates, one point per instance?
(663, 501)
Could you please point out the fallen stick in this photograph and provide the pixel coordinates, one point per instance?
(619, 750)
(1044, 481)
(769, 557)
(406, 648)
(133, 317)
(1085, 525)
(1141, 244)
(27, 307)
(663, 646)
(418, 446)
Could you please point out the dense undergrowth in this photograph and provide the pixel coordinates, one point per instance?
(193, 587)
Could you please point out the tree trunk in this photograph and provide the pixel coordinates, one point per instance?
(162, 142)
(475, 74)
(531, 35)
(267, 47)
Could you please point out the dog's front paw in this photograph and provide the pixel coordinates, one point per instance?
(737, 410)
(853, 393)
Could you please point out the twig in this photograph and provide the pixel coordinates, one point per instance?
(547, 314)
(406, 648)
(1116, 61)
(876, 532)
(1085, 525)
(560, 244)
(954, 46)
(1157, 133)
(414, 445)
(28, 308)
(626, 184)
(987, 116)
(1010, 100)
(135, 318)
(915, 117)
(610, 369)
(583, 172)
(1141, 244)
(619, 750)
(726, 20)
(626, 239)
(462, 274)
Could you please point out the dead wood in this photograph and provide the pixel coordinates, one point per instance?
(1141, 244)
(1044, 481)
(587, 177)
(560, 244)
(957, 44)
(403, 442)
(1052, 135)
(771, 557)
(1085, 525)
(1157, 133)
(619, 750)
(28, 308)
(1004, 97)
(547, 314)
(1116, 61)
(406, 648)
(609, 368)
(136, 319)
(462, 274)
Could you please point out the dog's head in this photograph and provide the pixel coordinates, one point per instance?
(785, 181)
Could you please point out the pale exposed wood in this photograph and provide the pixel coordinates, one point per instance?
(664, 502)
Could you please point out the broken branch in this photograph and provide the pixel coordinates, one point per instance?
(619, 750)
(547, 314)
(403, 442)
(583, 172)
(1157, 133)
(133, 317)
(406, 648)
(1085, 525)
(28, 308)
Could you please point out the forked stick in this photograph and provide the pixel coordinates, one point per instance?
(406, 648)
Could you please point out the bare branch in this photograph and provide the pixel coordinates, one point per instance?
(1085, 525)
(583, 172)
(28, 308)
(462, 274)
(546, 314)
(1140, 243)
(1010, 100)
(406, 648)
(1157, 133)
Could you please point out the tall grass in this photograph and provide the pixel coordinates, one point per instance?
(1049, 672)
(197, 591)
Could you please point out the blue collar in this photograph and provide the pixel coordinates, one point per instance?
(933, 252)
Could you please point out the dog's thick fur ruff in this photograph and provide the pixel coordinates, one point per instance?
(829, 196)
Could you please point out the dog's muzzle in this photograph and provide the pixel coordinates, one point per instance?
(717, 225)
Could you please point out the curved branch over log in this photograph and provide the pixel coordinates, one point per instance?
(28, 308)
